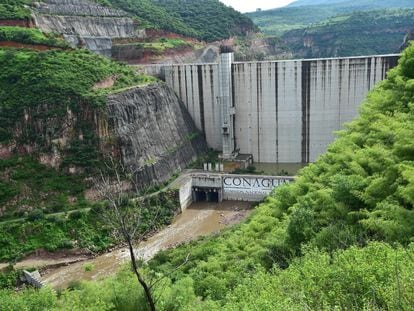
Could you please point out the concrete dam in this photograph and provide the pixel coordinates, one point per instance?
(277, 111)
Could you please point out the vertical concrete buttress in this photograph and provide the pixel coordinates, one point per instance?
(225, 100)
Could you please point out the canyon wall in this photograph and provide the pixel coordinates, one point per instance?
(147, 127)
(285, 111)
(156, 134)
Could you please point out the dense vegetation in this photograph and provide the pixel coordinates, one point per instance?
(367, 4)
(208, 20)
(304, 13)
(83, 228)
(48, 101)
(343, 280)
(360, 33)
(58, 80)
(340, 237)
(28, 185)
(31, 36)
(14, 9)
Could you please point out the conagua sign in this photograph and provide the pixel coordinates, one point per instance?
(253, 184)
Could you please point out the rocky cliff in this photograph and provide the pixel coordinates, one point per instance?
(156, 134)
(146, 126)
(85, 23)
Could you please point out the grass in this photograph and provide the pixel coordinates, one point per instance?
(31, 36)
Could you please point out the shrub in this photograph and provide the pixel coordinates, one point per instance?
(36, 214)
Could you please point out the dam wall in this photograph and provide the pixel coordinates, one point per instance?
(284, 111)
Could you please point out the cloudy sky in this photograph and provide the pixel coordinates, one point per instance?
(252, 5)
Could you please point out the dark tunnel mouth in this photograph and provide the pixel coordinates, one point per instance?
(206, 195)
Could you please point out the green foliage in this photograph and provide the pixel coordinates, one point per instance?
(18, 239)
(361, 183)
(164, 44)
(376, 277)
(218, 263)
(339, 238)
(207, 20)
(59, 77)
(9, 278)
(301, 15)
(36, 214)
(14, 9)
(79, 229)
(28, 184)
(211, 156)
(88, 267)
(360, 33)
(41, 92)
(31, 36)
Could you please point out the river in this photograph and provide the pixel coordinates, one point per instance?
(199, 219)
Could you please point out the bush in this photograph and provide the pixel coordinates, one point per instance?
(31, 36)
(88, 267)
(9, 278)
(36, 214)
(75, 215)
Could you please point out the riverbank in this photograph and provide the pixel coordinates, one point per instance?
(200, 219)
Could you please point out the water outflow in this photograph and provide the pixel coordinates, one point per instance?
(199, 220)
(156, 134)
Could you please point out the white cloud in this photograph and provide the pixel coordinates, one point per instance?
(250, 6)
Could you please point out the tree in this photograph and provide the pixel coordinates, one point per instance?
(123, 213)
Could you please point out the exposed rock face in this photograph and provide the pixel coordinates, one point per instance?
(50, 137)
(85, 23)
(156, 134)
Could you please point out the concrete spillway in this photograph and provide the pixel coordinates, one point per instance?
(284, 111)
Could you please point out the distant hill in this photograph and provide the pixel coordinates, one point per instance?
(207, 20)
(314, 2)
(359, 33)
(303, 13)
(368, 4)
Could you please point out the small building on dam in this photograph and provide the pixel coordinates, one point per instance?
(278, 111)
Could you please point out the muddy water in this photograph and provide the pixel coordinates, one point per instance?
(198, 220)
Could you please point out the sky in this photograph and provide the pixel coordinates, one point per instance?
(252, 5)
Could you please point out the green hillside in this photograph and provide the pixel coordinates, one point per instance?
(44, 85)
(360, 33)
(368, 4)
(304, 13)
(14, 9)
(207, 20)
(31, 36)
(340, 238)
(43, 207)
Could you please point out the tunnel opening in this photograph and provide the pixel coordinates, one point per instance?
(206, 195)
(213, 197)
(200, 196)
